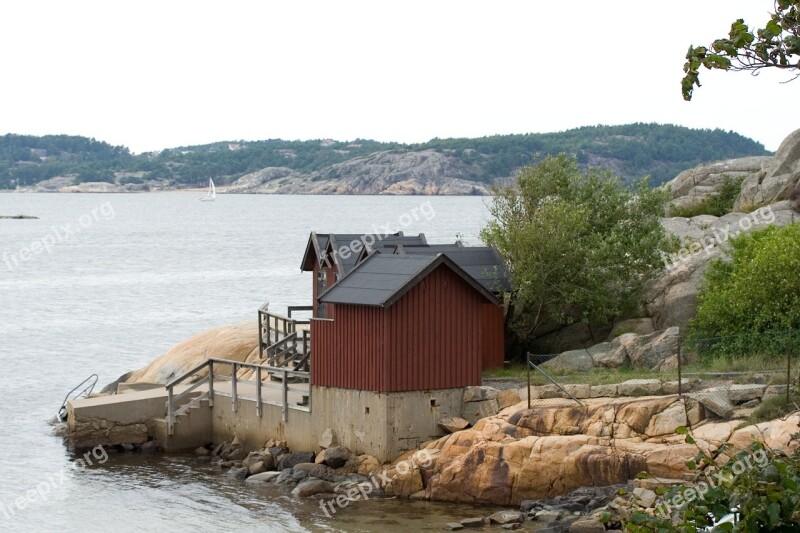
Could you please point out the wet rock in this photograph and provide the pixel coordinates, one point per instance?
(263, 477)
(547, 515)
(587, 525)
(256, 468)
(527, 505)
(237, 473)
(313, 470)
(289, 460)
(506, 517)
(453, 526)
(202, 451)
(284, 476)
(236, 454)
(311, 487)
(336, 457)
(473, 522)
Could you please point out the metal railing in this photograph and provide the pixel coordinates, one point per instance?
(175, 407)
(89, 383)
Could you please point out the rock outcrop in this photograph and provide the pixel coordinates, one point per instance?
(558, 446)
(237, 342)
(654, 351)
(390, 172)
(779, 180)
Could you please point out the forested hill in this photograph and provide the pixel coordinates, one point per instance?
(632, 151)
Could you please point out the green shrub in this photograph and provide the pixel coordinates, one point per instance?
(718, 204)
(762, 483)
(750, 302)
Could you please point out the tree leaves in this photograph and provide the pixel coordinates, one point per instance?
(775, 45)
(578, 244)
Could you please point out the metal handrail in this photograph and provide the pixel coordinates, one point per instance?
(172, 400)
(86, 391)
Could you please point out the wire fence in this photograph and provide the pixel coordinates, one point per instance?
(715, 368)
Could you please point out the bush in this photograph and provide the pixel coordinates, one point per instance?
(718, 204)
(752, 300)
(761, 483)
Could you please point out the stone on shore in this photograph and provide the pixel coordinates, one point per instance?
(311, 487)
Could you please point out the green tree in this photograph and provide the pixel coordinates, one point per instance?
(578, 244)
(756, 289)
(776, 45)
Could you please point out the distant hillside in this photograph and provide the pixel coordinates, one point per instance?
(439, 166)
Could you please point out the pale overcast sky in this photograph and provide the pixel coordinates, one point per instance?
(152, 75)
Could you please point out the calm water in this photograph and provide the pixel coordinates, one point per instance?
(105, 283)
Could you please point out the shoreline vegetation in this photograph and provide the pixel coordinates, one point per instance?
(466, 166)
(18, 217)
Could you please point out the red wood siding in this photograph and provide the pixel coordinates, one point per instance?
(493, 349)
(434, 335)
(432, 338)
(348, 351)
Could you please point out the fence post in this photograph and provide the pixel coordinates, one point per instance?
(680, 365)
(528, 368)
(788, 365)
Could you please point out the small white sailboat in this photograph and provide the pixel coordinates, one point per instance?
(212, 192)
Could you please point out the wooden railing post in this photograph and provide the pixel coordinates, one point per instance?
(285, 396)
(260, 336)
(234, 395)
(170, 412)
(258, 391)
(211, 383)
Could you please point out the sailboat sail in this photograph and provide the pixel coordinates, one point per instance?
(212, 192)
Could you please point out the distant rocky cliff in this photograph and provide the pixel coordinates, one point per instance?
(388, 172)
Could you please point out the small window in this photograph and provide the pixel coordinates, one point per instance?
(366, 410)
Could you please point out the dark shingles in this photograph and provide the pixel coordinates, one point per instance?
(383, 278)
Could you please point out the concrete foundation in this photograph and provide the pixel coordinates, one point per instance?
(384, 425)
